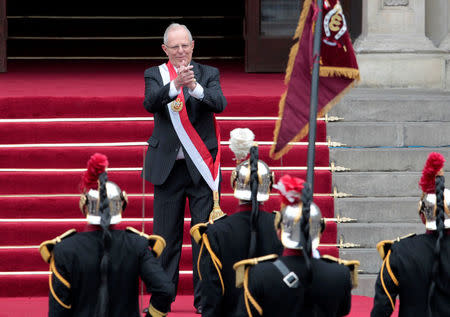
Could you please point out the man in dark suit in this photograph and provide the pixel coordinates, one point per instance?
(184, 147)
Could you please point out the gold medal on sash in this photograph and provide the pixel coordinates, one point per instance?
(177, 105)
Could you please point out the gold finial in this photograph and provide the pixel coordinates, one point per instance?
(216, 212)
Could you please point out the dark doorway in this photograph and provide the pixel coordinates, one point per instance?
(270, 25)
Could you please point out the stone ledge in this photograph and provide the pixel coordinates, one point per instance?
(403, 70)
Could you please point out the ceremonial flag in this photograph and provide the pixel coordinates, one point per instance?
(338, 73)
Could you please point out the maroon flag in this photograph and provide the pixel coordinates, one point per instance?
(338, 73)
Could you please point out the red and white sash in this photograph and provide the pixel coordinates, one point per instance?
(191, 141)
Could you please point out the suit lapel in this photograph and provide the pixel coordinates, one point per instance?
(196, 70)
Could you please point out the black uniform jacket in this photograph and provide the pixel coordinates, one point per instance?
(163, 145)
(229, 238)
(406, 271)
(329, 293)
(76, 275)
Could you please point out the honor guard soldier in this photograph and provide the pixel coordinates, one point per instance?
(97, 272)
(297, 284)
(232, 238)
(417, 267)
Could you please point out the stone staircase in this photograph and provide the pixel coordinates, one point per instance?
(386, 136)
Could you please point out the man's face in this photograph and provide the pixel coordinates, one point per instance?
(179, 49)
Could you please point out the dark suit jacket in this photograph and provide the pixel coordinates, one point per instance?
(164, 143)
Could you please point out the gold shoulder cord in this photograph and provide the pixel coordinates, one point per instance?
(196, 233)
(242, 270)
(384, 285)
(46, 251)
(388, 266)
(59, 277)
(198, 261)
(248, 296)
(215, 260)
(392, 276)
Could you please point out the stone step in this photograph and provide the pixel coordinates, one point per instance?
(398, 134)
(366, 104)
(367, 235)
(384, 159)
(378, 209)
(369, 259)
(379, 184)
(387, 136)
(366, 285)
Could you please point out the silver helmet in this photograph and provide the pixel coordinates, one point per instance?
(427, 208)
(290, 225)
(240, 181)
(90, 204)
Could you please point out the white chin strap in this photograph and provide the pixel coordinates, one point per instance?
(95, 220)
(431, 225)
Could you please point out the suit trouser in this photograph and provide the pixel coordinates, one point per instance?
(168, 209)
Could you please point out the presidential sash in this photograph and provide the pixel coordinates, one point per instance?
(191, 141)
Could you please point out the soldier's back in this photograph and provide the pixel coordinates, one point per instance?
(328, 293)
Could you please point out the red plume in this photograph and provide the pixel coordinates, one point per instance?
(434, 164)
(96, 165)
(290, 189)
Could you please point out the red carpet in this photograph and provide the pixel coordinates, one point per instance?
(53, 116)
(132, 156)
(100, 79)
(37, 306)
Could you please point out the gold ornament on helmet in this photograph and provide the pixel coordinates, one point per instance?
(242, 139)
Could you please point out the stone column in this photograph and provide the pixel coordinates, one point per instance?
(393, 50)
(445, 8)
(436, 20)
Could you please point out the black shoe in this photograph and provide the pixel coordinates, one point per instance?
(199, 309)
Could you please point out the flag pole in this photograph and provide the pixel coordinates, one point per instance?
(314, 96)
(308, 189)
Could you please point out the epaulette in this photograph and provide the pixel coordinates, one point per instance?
(241, 266)
(197, 231)
(385, 246)
(157, 243)
(46, 247)
(353, 266)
